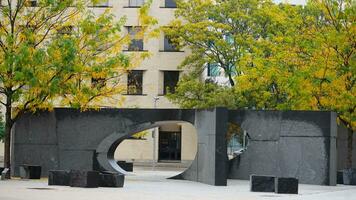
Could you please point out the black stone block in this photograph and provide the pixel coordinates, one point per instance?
(262, 183)
(87, 179)
(1, 169)
(111, 179)
(30, 171)
(340, 177)
(58, 177)
(349, 176)
(127, 166)
(286, 185)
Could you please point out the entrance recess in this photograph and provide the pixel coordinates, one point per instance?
(169, 148)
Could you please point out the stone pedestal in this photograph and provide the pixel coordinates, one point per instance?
(111, 179)
(30, 171)
(349, 176)
(58, 177)
(286, 185)
(87, 179)
(262, 183)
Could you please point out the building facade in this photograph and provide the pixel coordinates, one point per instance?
(148, 83)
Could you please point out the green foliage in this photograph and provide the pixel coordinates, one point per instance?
(191, 93)
(284, 57)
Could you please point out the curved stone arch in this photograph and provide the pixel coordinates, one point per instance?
(106, 149)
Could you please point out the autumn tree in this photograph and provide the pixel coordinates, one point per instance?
(58, 52)
(220, 32)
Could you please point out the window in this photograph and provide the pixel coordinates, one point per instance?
(170, 3)
(66, 30)
(213, 69)
(98, 82)
(135, 44)
(32, 3)
(134, 82)
(136, 3)
(168, 46)
(170, 81)
(102, 3)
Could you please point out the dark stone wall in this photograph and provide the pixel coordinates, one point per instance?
(299, 144)
(342, 148)
(68, 139)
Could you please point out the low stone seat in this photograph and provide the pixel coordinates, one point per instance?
(58, 177)
(87, 179)
(340, 177)
(262, 183)
(111, 179)
(30, 171)
(286, 185)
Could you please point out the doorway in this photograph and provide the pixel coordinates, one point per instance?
(169, 146)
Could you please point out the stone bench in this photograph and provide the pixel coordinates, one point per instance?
(30, 171)
(111, 179)
(127, 166)
(280, 185)
(58, 177)
(285, 185)
(87, 179)
(262, 183)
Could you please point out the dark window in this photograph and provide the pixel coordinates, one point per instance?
(169, 146)
(170, 3)
(168, 45)
(170, 82)
(134, 82)
(213, 69)
(136, 44)
(66, 30)
(98, 82)
(33, 3)
(136, 3)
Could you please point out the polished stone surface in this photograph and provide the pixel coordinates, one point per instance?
(58, 177)
(286, 185)
(86, 179)
(262, 183)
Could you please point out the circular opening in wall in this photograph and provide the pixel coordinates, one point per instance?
(237, 140)
(158, 153)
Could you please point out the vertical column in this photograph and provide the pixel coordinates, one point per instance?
(210, 163)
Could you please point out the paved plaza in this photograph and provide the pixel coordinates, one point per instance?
(153, 185)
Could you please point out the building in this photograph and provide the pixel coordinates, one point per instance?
(147, 85)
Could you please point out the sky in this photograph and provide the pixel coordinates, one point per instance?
(297, 2)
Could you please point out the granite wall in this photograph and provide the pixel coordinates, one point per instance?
(299, 144)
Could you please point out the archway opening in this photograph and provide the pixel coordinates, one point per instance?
(158, 153)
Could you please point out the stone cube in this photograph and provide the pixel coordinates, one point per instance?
(286, 185)
(87, 179)
(58, 177)
(111, 179)
(30, 171)
(262, 183)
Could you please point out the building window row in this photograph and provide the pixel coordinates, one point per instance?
(135, 82)
(137, 44)
(131, 3)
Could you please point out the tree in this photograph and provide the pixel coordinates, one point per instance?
(312, 66)
(58, 52)
(287, 58)
(220, 32)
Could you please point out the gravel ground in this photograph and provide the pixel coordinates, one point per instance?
(152, 185)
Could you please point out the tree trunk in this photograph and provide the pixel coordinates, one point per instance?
(231, 80)
(7, 138)
(349, 148)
